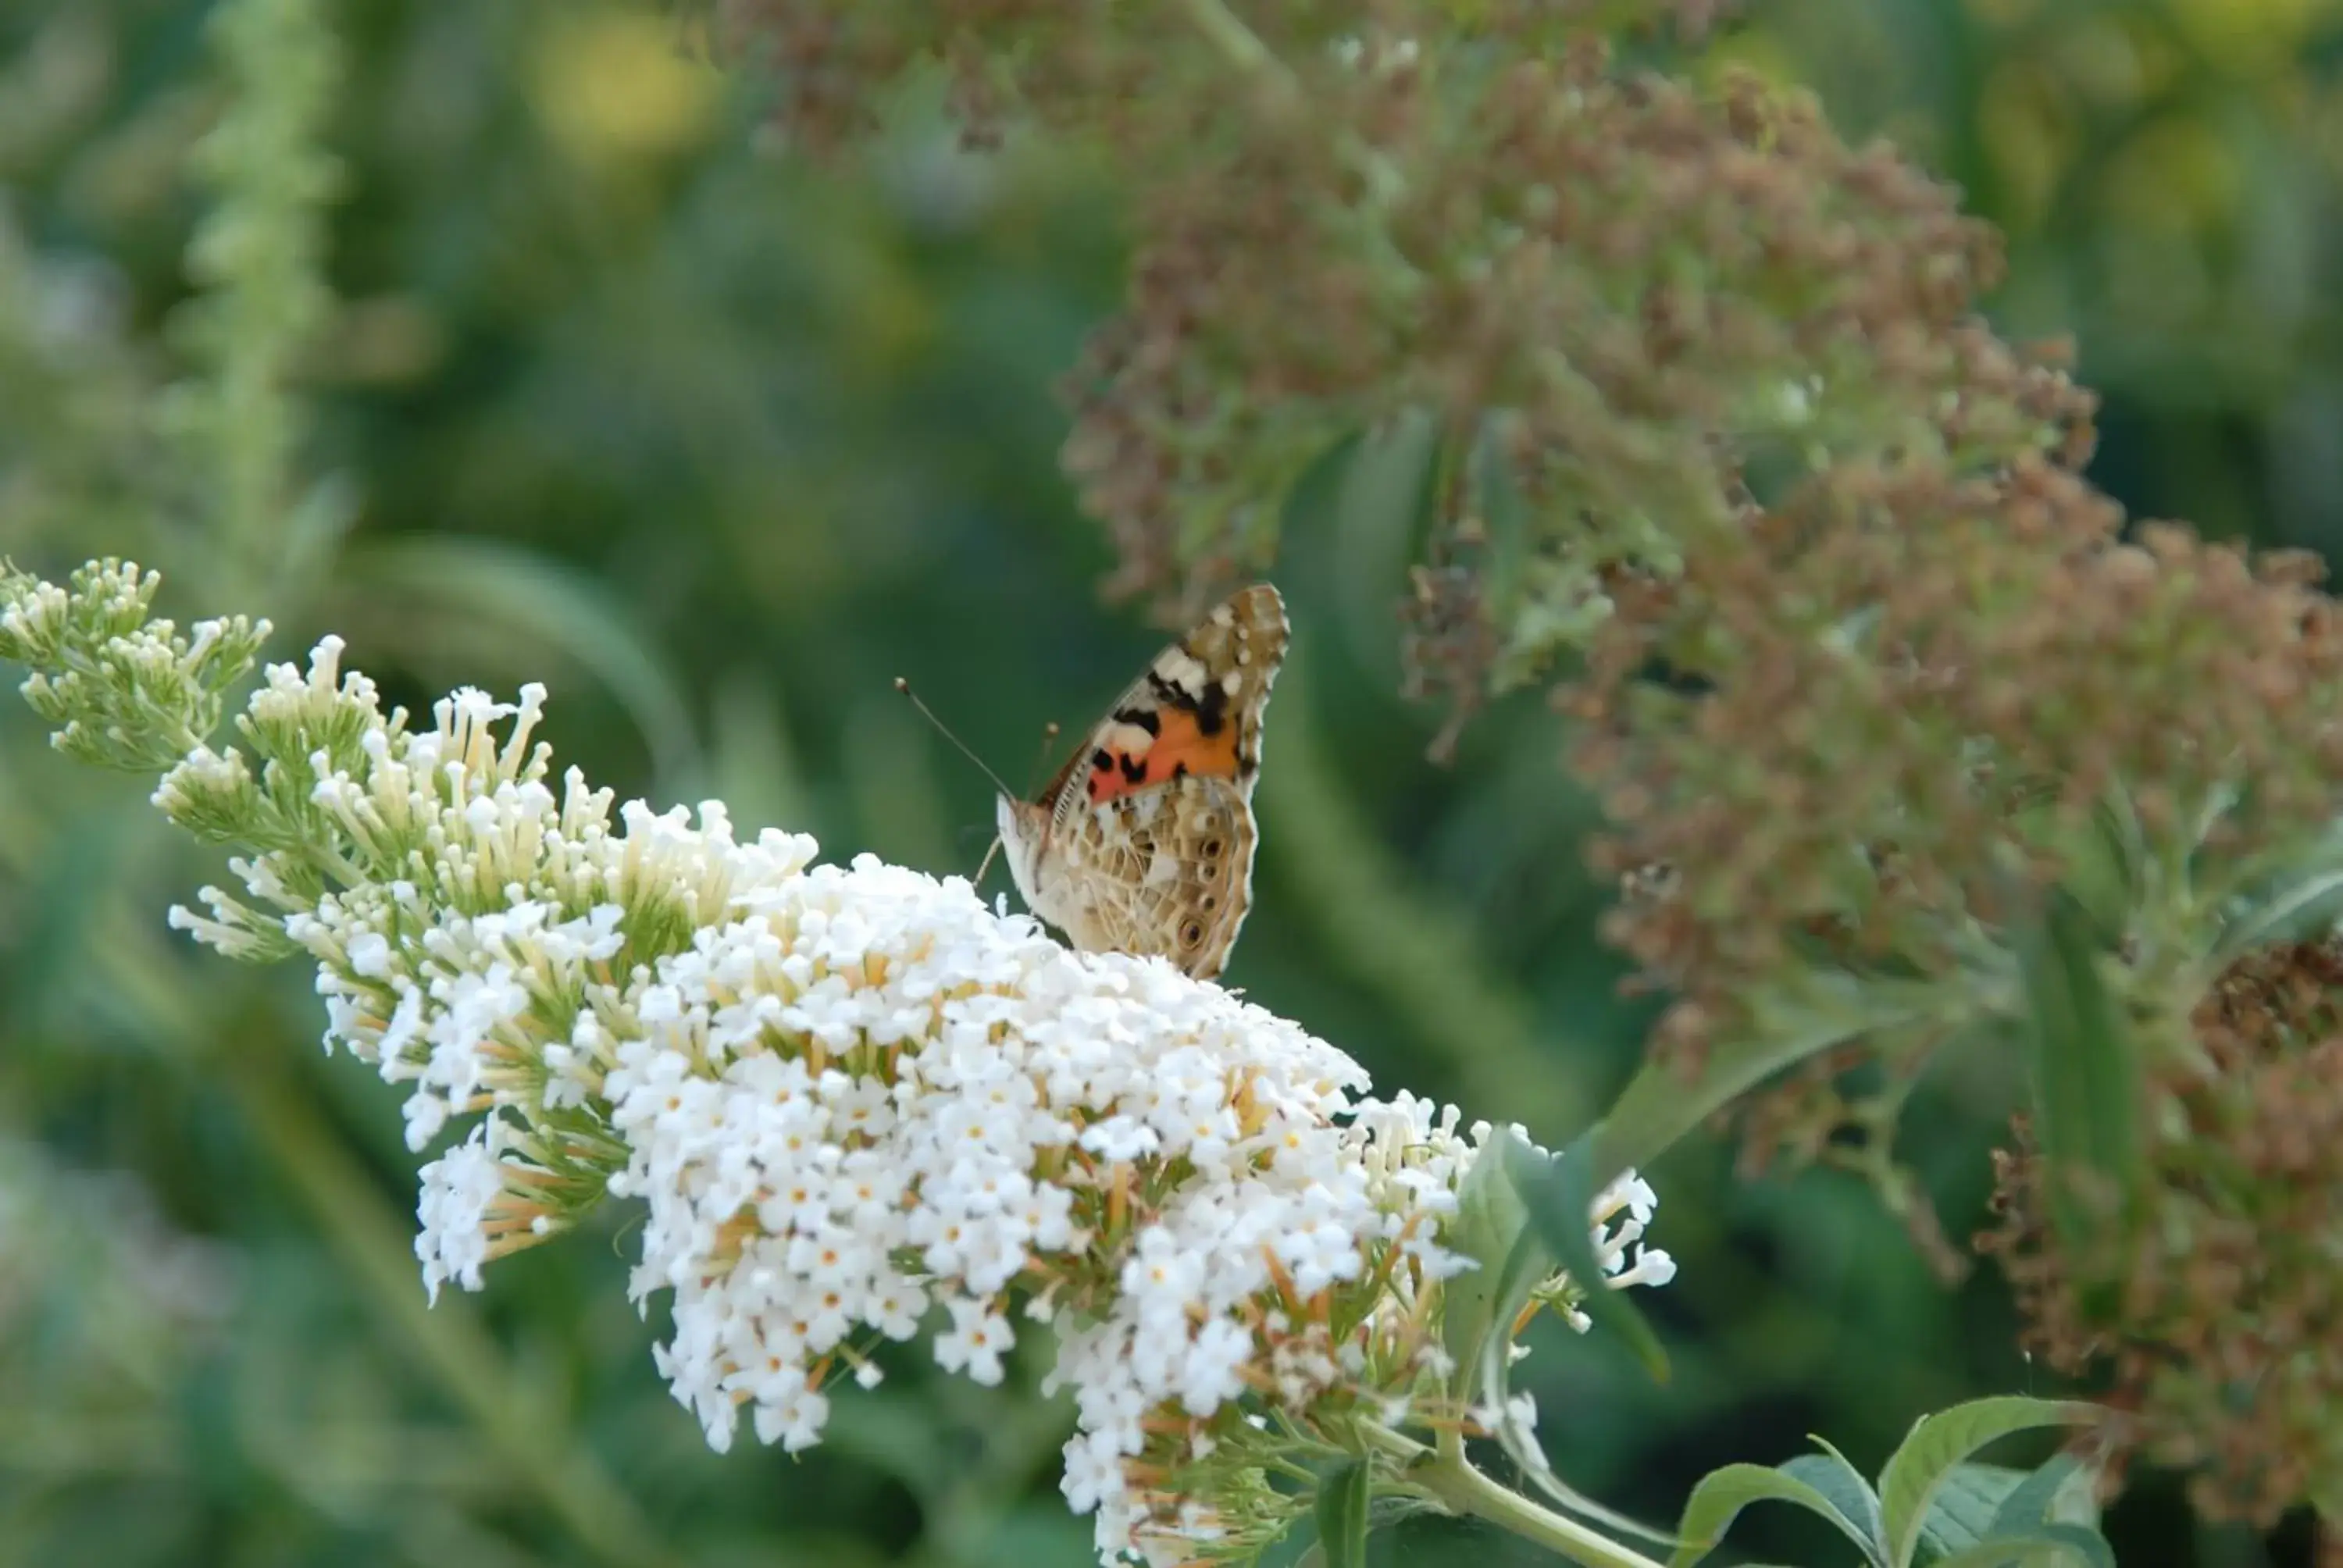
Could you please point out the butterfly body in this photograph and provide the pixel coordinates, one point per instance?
(1143, 843)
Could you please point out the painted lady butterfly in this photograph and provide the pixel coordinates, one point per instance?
(1143, 842)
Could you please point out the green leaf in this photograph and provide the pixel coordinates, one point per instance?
(2045, 1546)
(2105, 865)
(1386, 485)
(2086, 1076)
(1937, 1444)
(1818, 1011)
(2301, 901)
(1504, 511)
(1491, 1225)
(1962, 1512)
(2059, 1492)
(1489, 1378)
(1488, 1227)
(1722, 1494)
(1559, 1191)
(1341, 1514)
(1830, 1474)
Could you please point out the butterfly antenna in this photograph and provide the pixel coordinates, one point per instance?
(944, 729)
(986, 864)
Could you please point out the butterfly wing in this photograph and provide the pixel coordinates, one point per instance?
(1143, 843)
(1195, 711)
(1165, 871)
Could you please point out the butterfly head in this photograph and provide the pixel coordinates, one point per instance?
(1025, 830)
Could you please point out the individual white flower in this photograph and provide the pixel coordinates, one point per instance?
(978, 1338)
(1651, 1267)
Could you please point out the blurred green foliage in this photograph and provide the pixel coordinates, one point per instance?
(617, 396)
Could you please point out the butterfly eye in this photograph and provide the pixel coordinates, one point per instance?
(1190, 933)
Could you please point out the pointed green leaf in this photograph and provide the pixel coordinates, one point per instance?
(1938, 1444)
(1820, 1011)
(1963, 1509)
(2298, 899)
(1343, 1494)
(1488, 1379)
(2045, 1546)
(1722, 1494)
(1504, 511)
(1386, 485)
(1559, 1193)
(2059, 1492)
(1488, 1226)
(1490, 1211)
(1829, 1474)
(2085, 1077)
(2104, 863)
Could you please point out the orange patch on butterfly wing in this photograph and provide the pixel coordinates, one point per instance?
(1179, 746)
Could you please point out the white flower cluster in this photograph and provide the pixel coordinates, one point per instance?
(847, 1095)
(1006, 1090)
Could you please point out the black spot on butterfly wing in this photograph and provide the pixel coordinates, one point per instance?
(1134, 768)
(1213, 710)
(1141, 717)
(1210, 710)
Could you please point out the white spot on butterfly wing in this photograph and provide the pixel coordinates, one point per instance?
(1183, 670)
(1127, 738)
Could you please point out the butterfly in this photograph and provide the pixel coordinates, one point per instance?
(1143, 842)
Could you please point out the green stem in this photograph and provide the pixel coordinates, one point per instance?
(1444, 1475)
(335, 864)
(1236, 41)
(1242, 47)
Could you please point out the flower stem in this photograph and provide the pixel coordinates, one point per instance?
(1237, 43)
(1448, 1478)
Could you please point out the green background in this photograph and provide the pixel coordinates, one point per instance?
(622, 397)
